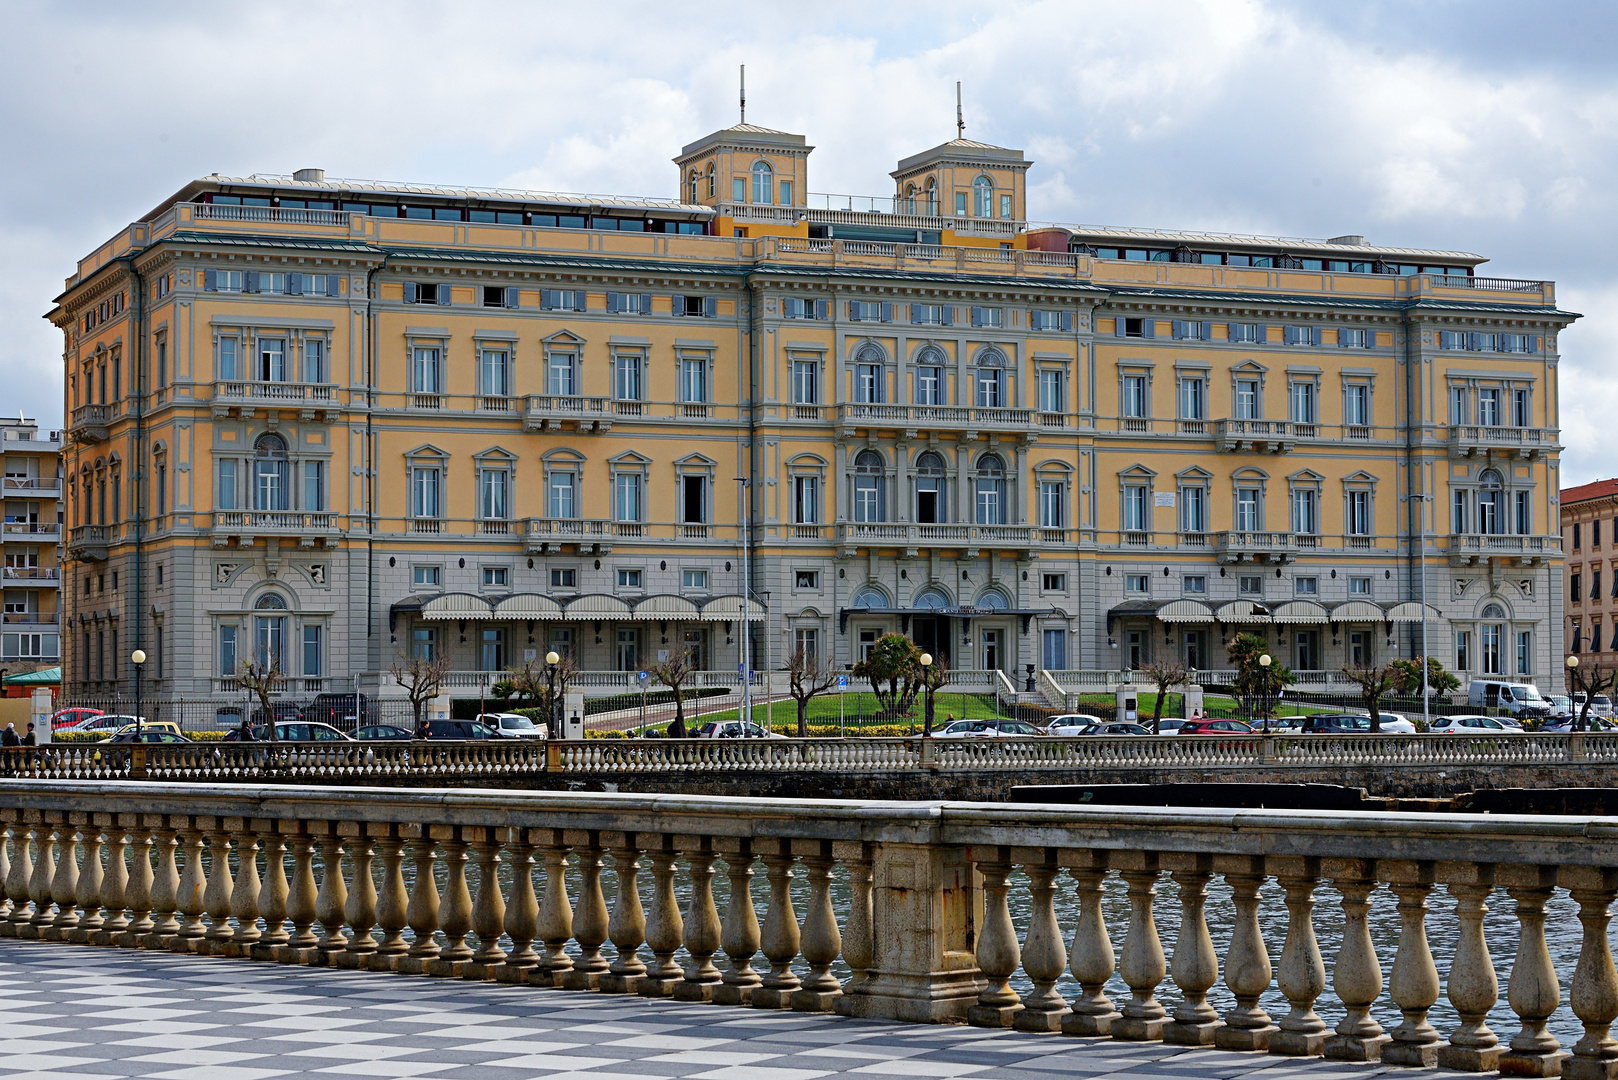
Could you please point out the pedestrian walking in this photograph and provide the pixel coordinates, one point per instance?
(29, 739)
(9, 737)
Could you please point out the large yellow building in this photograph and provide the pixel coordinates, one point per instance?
(351, 420)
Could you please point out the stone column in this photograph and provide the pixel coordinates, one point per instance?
(590, 918)
(626, 927)
(360, 907)
(781, 936)
(701, 928)
(115, 884)
(193, 886)
(1195, 966)
(332, 896)
(1302, 976)
(1594, 993)
(522, 913)
(1043, 955)
(1532, 991)
(302, 900)
(273, 893)
(665, 928)
(739, 935)
(455, 917)
(858, 948)
(91, 884)
(998, 953)
(1472, 986)
(141, 881)
(17, 878)
(65, 883)
(1413, 983)
(488, 908)
(1356, 976)
(39, 884)
(1143, 965)
(822, 942)
(1092, 959)
(245, 891)
(165, 890)
(1247, 964)
(392, 909)
(555, 914)
(216, 897)
(422, 911)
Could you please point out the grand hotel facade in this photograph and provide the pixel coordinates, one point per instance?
(332, 422)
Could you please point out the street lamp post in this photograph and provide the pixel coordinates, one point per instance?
(1264, 663)
(1577, 723)
(552, 658)
(927, 685)
(138, 658)
(1426, 691)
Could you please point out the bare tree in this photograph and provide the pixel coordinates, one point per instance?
(1374, 682)
(535, 681)
(809, 676)
(674, 673)
(1596, 682)
(422, 679)
(262, 680)
(1166, 676)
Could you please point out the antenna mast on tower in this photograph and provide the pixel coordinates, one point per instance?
(960, 118)
(744, 93)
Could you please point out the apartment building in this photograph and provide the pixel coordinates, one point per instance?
(30, 635)
(331, 422)
(1589, 516)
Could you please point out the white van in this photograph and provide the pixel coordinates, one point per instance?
(1515, 699)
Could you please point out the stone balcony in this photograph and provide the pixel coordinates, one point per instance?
(1479, 440)
(1266, 547)
(244, 527)
(1262, 436)
(90, 423)
(246, 398)
(90, 541)
(967, 420)
(1470, 549)
(968, 538)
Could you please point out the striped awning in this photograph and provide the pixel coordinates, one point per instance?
(528, 606)
(666, 606)
(1361, 611)
(1410, 611)
(1185, 611)
(596, 606)
(1298, 611)
(1243, 611)
(730, 609)
(457, 606)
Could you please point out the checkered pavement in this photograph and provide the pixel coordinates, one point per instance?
(70, 1012)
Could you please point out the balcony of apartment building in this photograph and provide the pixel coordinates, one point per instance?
(32, 487)
(1481, 440)
(1262, 436)
(245, 527)
(1263, 546)
(577, 412)
(1509, 549)
(90, 423)
(914, 420)
(31, 577)
(541, 535)
(245, 398)
(32, 532)
(860, 213)
(964, 537)
(31, 618)
(89, 541)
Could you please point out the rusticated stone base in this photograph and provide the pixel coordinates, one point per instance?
(380, 961)
(815, 1001)
(1520, 1063)
(78, 936)
(265, 952)
(28, 931)
(625, 984)
(1411, 1055)
(1235, 1038)
(1470, 1058)
(1585, 1068)
(478, 971)
(1089, 1023)
(1043, 1021)
(1355, 1048)
(187, 945)
(1178, 1034)
(1297, 1043)
(685, 990)
(155, 941)
(550, 978)
(1136, 1029)
(307, 956)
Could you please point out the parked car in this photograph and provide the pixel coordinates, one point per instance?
(1517, 699)
(461, 729)
(381, 731)
(733, 729)
(1565, 723)
(1071, 723)
(987, 729)
(1209, 726)
(515, 725)
(1116, 727)
(1355, 724)
(1602, 705)
(342, 711)
(284, 712)
(1562, 707)
(293, 731)
(105, 724)
(148, 735)
(1471, 725)
(72, 718)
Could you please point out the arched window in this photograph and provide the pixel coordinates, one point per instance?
(869, 598)
(870, 481)
(270, 631)
(271, 474)
(929, 376)
(932, 600)
(763, 176)
(991, 490)
(983, 197)
(691, 186)
(932, 197)
(991, 381)
(870, 382)
(712, 181)
(994, 600)
(1493, 611)
(932, 502)
(1491, 503)
(910, 198)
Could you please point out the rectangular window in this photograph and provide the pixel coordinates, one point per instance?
(1303, 403)
(562, 495)
(311, 652)
(1193, 509)
(1250, 585)
(1359, 586)
(494, 494)
(806, 499)
(1306, 586)
(1355, 339)
(1193, 398)
(1463, 650)
(423, 646)
(1247, 509)
(1359, 513)
(870, 311)
(1357, 405)
(1137, 583)
(227, 650)
(1489, 640)
(1195, 584)
(499, 297)
(424, 493)
(626, 497)
(932, 314)
(1246, 333)
(1525, 652)
(627, 385)
(1053, 582)
(929, 386)
(1305, 516)
(1301, 335)
(988, 316)
(1576, 535)
(1575, 588)
(693, 579)
(693, 379)
(738, 189)
(1052, 392)
(564, 578)
(991, 385)
(695, 307)
(424, 577)
(228, 369)
(1523, 511)
(960, 204)
(1052, 504)
(1247, 399)
(272, 362)
(1053, 649)
(1134, 402)
(494, 373)
(314, 362)
(806, 382)
(1005, 206)
(1458, 401)
(1192, 330)
(786, 192)
(628, 579)
(1059, 321)
(425, 371)
(494, 577)
(793, 307)
(868, 383)
(1519, 409)
(620, 303)
(314, 486)
(424, 293)
(226, 499)
(559, 374)
(492, 650)
(1489, 407)
(562, 299)
(806, 579)
(1135, 508)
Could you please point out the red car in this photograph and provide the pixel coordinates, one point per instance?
(66, 718)
(1209, 726)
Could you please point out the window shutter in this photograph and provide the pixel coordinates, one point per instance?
(1316, 335)
(645, 303)
(887, 311)
(614, 302)
(1342, 337)
(1207, 331)
(822, 309)
(332, 286)
(977, 316)
(1534, 343)
(915, 313)
(1177, 329)
(578, 301)
(547, 298)
(511, 297)
(1067, 321)
(444, 295)
(1148, 327)
(1233, 331)
(250, 281)
(710, 307)
(949, 315)
(853, 311)
(210, 281)
(677, 304)
(294, 284)
(1118, 326)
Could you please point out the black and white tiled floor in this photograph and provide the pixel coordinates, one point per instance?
(69, 1012)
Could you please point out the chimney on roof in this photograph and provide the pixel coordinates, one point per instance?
(1351, 240)
(310, 176)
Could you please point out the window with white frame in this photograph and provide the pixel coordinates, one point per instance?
(932, 484)
(1489, 406)
(1249, 509)
(806, 382)
(806, 499)
(1305, 510)
(868, 380)
(1193, 508)
(1489, 651)
(1359, 512)
(1491, 503)
(628, 579)
(1525, 652)
(314, 486)
(229, 369)
(983, 197)
(1357, 404)
(426, 369)
(314, 361)
(1303, 395)
(1136, 507)
(693, 379)
(494, 372)
(988, 316)
(271, 473)
(1137, 583)
(693, 579)
(1193, 397)
(426, 492)
(1521, 414)
(991, 381)
(628, 375)
(929, 385)
(1459, 399)
(1052, 390)
(990, 490)
(562, 492)
(424, 577)
(628, 496)
(1306, 586)
(806, 579)
(496, 577)
(564, 577)
(1248, 400)
(1194, 584)
(1135, 404)
(763, 182)
(494, 492)
(869, 487)
(1052, 504)
(806, 643)
(561, 373)
(228, 496)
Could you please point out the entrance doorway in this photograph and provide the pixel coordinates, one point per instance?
(991, 649)
(628, 650)
(1192, 649)
(1136, 648)
(931, 635)
(1306, 651)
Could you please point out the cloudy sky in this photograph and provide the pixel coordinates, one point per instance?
(1483, 126)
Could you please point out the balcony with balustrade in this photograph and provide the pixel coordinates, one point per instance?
(1262, 436)
(1481, 440)
(957, 536)
(887, 212)
(90, 423)
(1265, 547)
(1474, 549)
(90, 541)
(33, 487)
(245, 527)
(31, 577)
(245, 398)
(917, 419)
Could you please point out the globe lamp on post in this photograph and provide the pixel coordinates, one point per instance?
(138, 658)
(1264, 663)
(552, 658)
(927, 685)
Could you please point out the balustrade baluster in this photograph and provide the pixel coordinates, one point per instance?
(19, 877)
(332, 896)
(488, 908)
(114, 884)
(88, 895)
(273, 894)
(555, 913)
(303, 901)
(391, 911)
(701, 927)
(590, 921)
(739, 936)
(627, 926)
(1092, 960)
(7, 832)
(1594, 993)
(216, 897)
(193, 886)
(665, 928)
(822, 942)
(781, 935)
(360, 908)
(141, 883)
(1472, 986)
(244, 892)
(1302, 975)
(1195, 966)
(165, 890)
(1043, 955)
(1143, 965)
(522, 914)
(997, 952)
(1532, 991)
(64, 883)
(1413, 982)
(39, 884)
(422, 911)
(1247, 964)
(859, 946)
(1356, 976)
(455, 917)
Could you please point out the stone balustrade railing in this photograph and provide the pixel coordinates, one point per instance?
(924, 928)
(448, 760)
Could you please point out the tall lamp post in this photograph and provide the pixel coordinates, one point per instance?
(551, 660)
(1264, 663)
(1577, 723)
(138, 658)
(927, 685)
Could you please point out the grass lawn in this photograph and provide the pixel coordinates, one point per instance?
(860, 708)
